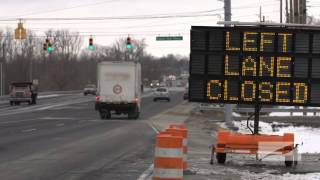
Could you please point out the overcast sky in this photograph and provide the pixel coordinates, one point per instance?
(107, 31)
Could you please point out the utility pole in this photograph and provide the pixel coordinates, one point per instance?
(296, 11)
(280, 11)
(291, 12)
(260, 15)
(287, 13)
(228, 107)
(227, 10)
(302, 11)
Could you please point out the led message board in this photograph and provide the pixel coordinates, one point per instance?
(248, 65)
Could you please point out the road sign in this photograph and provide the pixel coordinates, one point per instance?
(117, 89)
(255, 65)
(20, 32)
(169, 38)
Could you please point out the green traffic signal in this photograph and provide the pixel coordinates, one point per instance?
(129, 46)
(91, 47)
(50, 49)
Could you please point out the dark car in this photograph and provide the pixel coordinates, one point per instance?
(22, 92)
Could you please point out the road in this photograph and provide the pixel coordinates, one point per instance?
(63, 138)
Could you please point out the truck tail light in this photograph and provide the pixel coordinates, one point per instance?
(98, 98)
(136, 100)
(28, 93)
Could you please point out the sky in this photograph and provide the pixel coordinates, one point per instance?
(105, 32)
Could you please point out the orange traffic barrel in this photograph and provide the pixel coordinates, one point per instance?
(168, 162)
(182, 125)
(182, 132)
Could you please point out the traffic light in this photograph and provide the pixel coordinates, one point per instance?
(45, 46)
(91, 47)
(50, 48)
(129, 45)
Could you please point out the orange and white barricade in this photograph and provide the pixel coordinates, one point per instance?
(182, 132)
(168, 162)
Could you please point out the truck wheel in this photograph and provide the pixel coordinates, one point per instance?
(105, 114)
(11, 103)
(17, 103)
(221, 158)
(134, 114)
(29, 102)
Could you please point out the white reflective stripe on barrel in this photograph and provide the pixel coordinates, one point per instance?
(184, 157)
(185, 142)
(168, 173)
(169, 152)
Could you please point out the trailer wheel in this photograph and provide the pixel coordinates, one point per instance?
(288, 161)
(221, 158)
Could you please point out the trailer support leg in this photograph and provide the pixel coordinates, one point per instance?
(256, 119)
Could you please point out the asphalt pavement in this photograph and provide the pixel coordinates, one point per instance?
(63, 138)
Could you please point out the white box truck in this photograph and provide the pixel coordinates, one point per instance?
(119, 89)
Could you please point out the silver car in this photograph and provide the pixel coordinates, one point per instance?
(90, 89)
(161, 93)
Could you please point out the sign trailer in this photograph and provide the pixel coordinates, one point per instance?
(258, 65)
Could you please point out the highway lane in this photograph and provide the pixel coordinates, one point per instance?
(71, 142)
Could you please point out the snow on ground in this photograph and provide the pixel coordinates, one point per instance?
(293, 114)
(49, 96)
(287, 176)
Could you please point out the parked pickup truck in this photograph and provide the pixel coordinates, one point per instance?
(23, 92)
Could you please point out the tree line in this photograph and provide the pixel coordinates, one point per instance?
(69, 66)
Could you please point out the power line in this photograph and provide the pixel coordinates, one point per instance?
(108, 18)
(61, 9)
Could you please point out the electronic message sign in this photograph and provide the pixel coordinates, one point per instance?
(249, 65)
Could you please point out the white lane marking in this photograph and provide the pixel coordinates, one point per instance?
(154, 128)
(28, 130)
(148, 172)
(59, 125)
(56, 118)
(49, 96)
